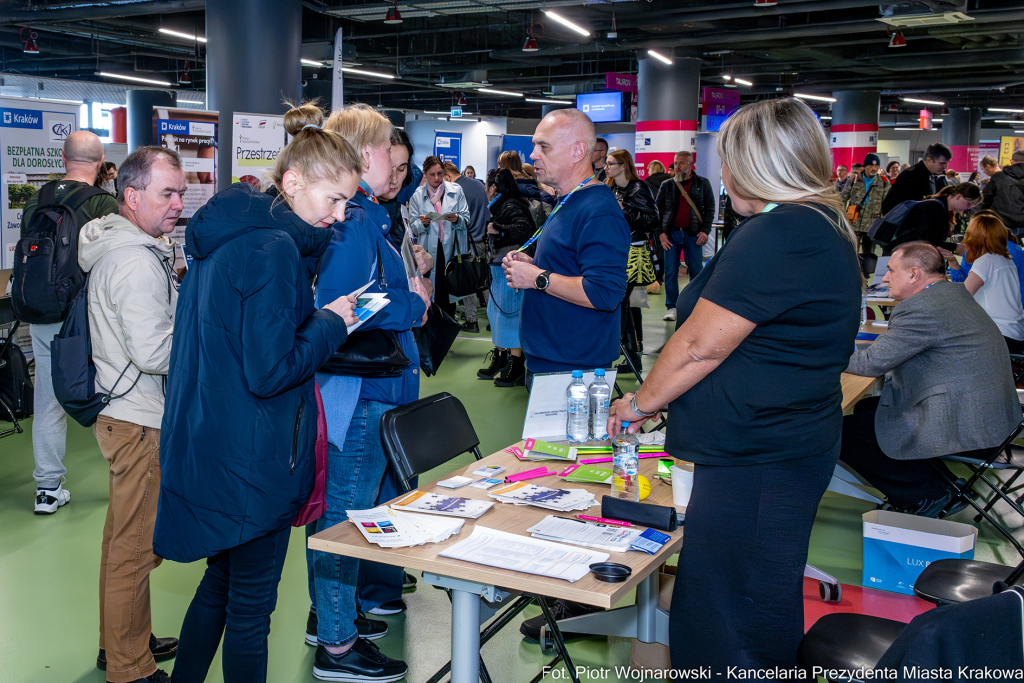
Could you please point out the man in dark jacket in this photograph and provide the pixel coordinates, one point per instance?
(1004, 193)
(479, 216)
(684, 230)
(921, 180)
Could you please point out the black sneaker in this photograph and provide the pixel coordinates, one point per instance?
(363, 662)
(514, 373)
(158, 676)
(390, 607)
(162, 649)
(473, 327)
(563, 609)
(409, 581)
(499, 358)
(370, 629)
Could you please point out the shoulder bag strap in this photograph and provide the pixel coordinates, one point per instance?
(686, 196)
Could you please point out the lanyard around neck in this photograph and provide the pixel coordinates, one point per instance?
(551, 215)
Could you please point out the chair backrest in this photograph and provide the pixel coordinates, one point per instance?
(419, 436)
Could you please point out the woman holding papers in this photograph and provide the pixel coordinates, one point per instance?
(360, 253)
(752, 378)
(239, 425)
(440, 216)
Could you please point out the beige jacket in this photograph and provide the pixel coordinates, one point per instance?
(131, 315)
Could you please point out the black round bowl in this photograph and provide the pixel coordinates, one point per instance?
(611, 572)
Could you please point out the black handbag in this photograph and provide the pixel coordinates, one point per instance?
(435, 339)
(369, 353)
(467, 274)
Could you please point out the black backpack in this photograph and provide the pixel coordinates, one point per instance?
(15, 385)
(885, 230)
(46, 273)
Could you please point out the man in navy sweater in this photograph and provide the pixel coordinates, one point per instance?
(577, 279)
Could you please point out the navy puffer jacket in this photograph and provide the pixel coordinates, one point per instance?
(236, 443)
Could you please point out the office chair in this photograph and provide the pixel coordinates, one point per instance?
(951, 581)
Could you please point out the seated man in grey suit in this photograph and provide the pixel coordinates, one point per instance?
(950, 392)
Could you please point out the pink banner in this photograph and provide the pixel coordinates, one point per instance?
(719, 101)
(620, 82)
(965, 158)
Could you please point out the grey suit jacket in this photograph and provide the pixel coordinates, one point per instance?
(951, 389)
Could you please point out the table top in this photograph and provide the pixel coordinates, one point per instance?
(881, 301)
(872, 327)
(345, 539)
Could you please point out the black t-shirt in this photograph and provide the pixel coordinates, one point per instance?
(778, 395)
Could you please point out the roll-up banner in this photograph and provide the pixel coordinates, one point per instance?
(32, 134)
(523, 144)
(448, 147)
(257, 139)
(338, 85)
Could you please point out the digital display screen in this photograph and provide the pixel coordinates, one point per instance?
(601, 107)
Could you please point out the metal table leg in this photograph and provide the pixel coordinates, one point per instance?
(465, 637)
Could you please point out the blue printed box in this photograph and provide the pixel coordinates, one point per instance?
(897, 547)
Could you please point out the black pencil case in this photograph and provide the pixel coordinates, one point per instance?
(643, 514)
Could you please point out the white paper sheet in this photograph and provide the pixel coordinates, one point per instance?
(519, 553)
(545, 412)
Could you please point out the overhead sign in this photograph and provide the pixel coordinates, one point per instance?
(719, 101)
(925, 120)
(456, 112)
(32, 134)
(620, 82)
(257, 139)
(448, 147)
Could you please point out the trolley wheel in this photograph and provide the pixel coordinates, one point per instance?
(830, 592)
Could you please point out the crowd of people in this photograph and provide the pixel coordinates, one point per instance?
(216, 382)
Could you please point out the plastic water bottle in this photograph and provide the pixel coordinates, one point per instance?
(626, 466)
(577, 422)
(600, 393)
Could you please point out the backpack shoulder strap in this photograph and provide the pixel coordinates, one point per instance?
(48, 193)
(80, 195)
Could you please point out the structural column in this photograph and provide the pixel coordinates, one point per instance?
(961, 132)
(854, 130)
(252, 63)
(140, 114)
(667, 109)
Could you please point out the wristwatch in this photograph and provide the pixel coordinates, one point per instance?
(542, 281)
(637, 411)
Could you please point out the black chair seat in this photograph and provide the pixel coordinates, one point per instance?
(847, 641)
(945, 582)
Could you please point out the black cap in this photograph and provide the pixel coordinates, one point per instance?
(870, 159)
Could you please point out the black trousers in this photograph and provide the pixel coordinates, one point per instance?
(738, 598)
(905, 483)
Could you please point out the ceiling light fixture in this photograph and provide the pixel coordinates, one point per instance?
(660, 57)
(1018, 131)
(743, 82)
(490, 91)
(530, 45)
(825, 118)
(906, 129)
(131, 78)
(178, 34)
(360, 72)
(29, 41)
(893, 107)
(565, 22)
(932, 102)
(1017, 122)
(726, 77)
(540, 101)
(310, 62)
(897, 39)
(820, 98)
(393, 16)
(181, 101)
(184, 79)
(936, 120)
(1007, 111)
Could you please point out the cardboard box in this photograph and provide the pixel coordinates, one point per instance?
(897, 547)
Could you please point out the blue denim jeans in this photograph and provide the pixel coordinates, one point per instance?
(354, 476)
(693, 253)
(235, 599)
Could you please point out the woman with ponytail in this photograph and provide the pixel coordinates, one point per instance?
(239, 424)
(752, 377)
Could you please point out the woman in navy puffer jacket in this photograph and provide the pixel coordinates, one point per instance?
(236, 451)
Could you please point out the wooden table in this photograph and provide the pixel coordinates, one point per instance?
(469, 582)
(882, 301)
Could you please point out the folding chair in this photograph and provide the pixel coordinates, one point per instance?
(999, 458)
(951, 581)
(419, 436)
(7, 316)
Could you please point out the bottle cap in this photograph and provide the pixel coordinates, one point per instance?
(625, 426)
(577, 373)
(599, 372)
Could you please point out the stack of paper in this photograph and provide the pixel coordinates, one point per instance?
(394, 529)
(438, 504)
(519, 553)
(588, 474)
(561, 500)
(601, 536)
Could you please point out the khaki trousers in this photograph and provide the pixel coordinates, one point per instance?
(133, 453)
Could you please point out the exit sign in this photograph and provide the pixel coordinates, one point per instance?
(456, 112)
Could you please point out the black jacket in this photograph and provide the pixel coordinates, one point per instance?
(639, 209)
(510, 216)
(911, 184)
(654, 182)
(1004, 194)
(928, 221)
(703, 197)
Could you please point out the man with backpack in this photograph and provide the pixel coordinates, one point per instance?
(40, 304)
(1004, 193)
(131, 299)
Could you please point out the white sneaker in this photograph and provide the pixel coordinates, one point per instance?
(47, 501)
(671, 315)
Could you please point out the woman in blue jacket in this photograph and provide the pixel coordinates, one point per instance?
(239, 426)
(360, 253)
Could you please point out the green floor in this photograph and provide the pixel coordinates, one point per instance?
(49, 564)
